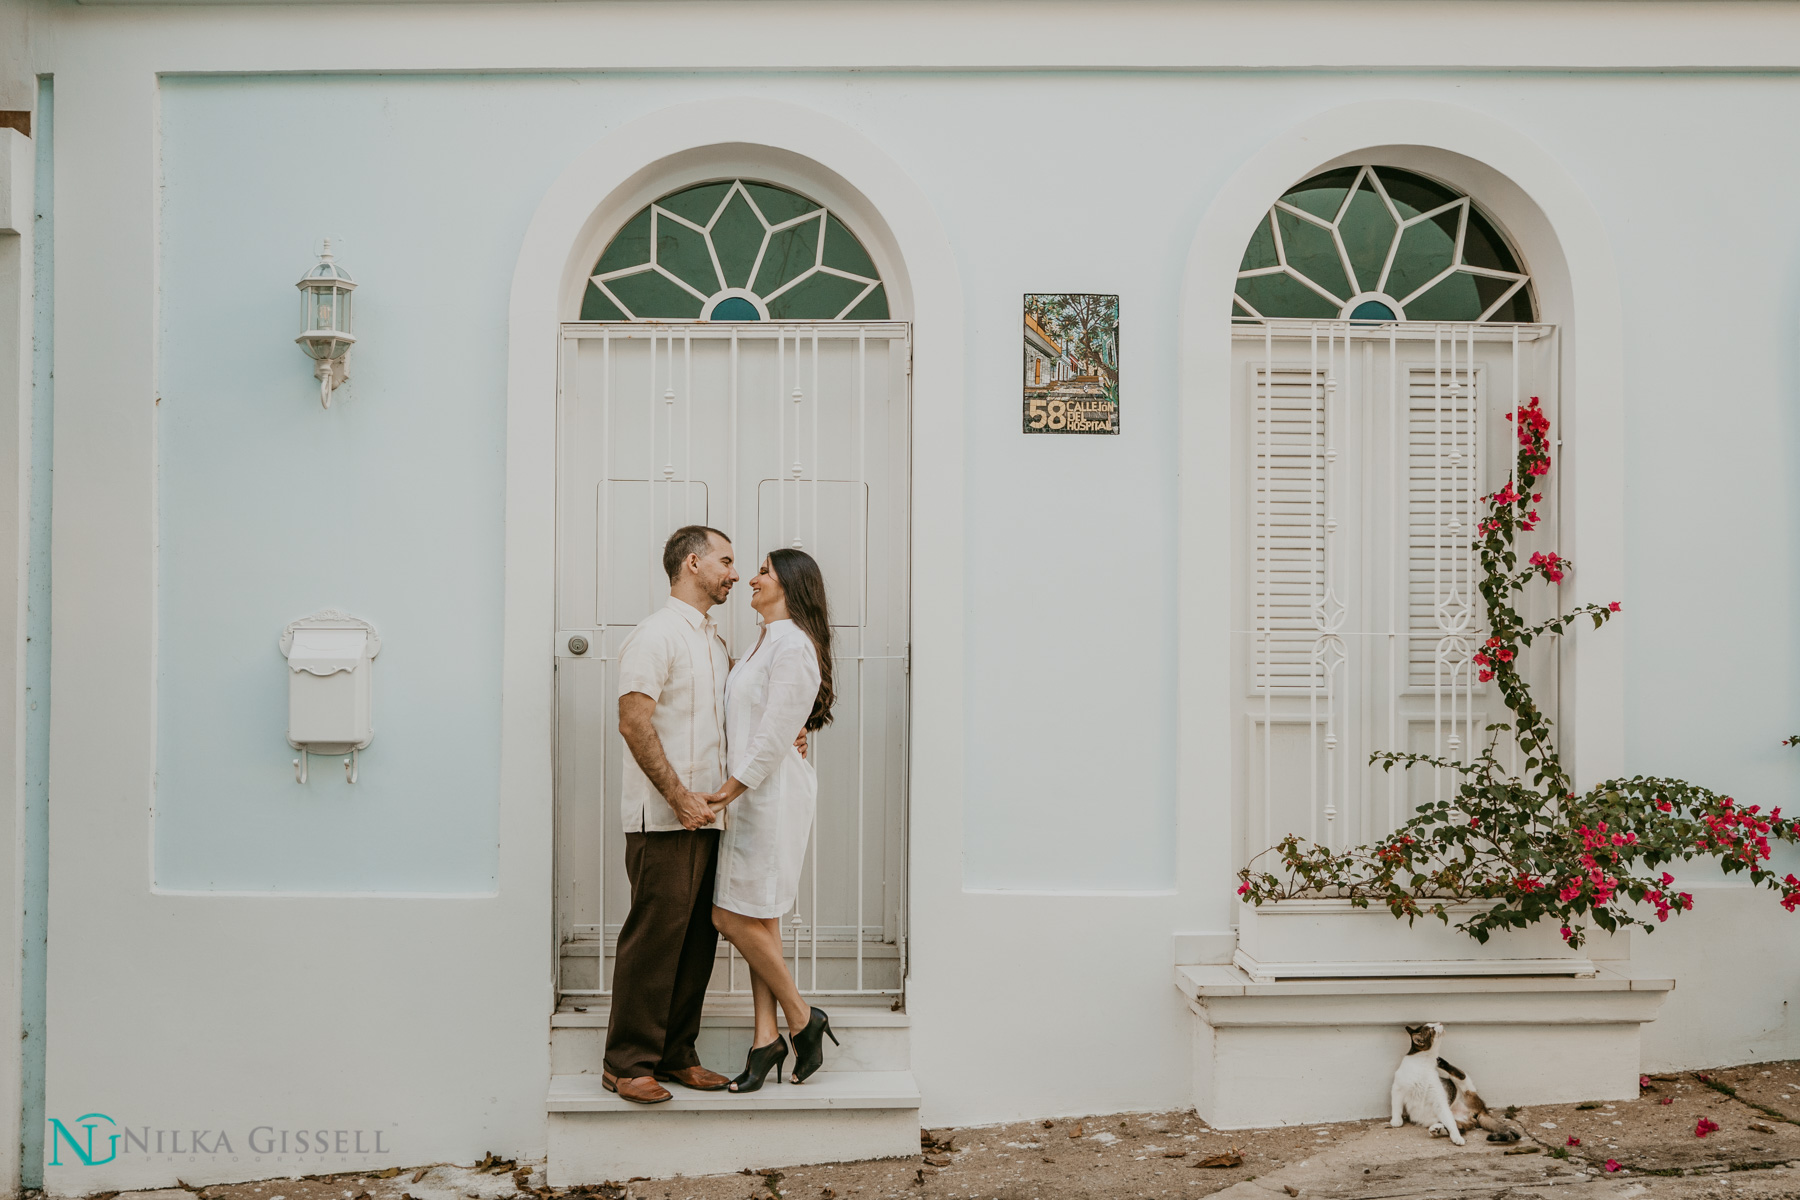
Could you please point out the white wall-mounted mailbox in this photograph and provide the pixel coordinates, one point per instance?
(329, 657)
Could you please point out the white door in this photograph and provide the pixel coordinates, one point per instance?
(779, 435)
(1366, 453)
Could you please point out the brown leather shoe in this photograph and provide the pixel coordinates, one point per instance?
(698, 1078)
(639, 1088)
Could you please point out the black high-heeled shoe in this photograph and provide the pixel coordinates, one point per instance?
(758, 1062)
(809, 1045)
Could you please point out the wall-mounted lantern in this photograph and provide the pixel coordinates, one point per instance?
(325, 321)
(330, 656)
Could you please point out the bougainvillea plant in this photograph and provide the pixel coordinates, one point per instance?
(1524, 848)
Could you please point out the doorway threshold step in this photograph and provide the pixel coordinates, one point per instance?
(836, 1116)
(827, 1089)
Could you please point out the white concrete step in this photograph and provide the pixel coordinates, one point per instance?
(874, 1038)
(840, 1116)
(1300, 1051)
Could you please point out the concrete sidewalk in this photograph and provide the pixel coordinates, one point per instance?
(1386, 1163)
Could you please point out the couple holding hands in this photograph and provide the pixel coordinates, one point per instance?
(718, 804)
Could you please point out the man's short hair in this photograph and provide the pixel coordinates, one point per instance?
(689, 539)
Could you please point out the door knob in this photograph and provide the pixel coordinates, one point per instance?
(578, 645)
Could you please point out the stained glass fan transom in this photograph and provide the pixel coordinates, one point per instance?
(735, 251)
(1379, 244)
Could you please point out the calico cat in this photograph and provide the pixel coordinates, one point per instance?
(1433, 1092)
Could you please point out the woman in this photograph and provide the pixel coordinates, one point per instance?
(780, 688)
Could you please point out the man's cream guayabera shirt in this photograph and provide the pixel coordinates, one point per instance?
(676, 657)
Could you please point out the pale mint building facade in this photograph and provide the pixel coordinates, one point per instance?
(1051, 771)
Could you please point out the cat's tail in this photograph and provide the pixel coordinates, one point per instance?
(1499, 1128)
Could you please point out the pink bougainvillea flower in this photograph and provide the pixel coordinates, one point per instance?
(1643, 1081)
(1667, 879)
(1705, 1126)
(1567, 933)
(1243, 887)
(1612, 1164)
(1614, 606)
(1573, 1141)
(1667, 1100)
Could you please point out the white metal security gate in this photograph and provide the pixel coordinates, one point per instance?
(1368, 452)
(781, 435)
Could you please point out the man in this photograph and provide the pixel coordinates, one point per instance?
(672, 672)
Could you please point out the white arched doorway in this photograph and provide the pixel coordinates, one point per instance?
(731, 358)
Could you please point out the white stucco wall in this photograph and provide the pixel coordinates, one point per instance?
(1055, 844)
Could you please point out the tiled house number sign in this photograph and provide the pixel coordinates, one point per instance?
(1071, 363)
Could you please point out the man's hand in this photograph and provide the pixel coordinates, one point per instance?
(693, 808)
(635, 712)
(800, 743)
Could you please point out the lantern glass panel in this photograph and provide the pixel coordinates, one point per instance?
(320, 312)
(343, 309)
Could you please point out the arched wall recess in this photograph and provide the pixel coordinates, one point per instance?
(1559, 234)
(795, 147)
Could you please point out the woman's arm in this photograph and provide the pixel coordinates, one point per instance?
(793, 687)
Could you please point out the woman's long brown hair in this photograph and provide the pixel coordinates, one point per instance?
(804, 586)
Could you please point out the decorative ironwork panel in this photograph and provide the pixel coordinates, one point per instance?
(735, 251)
(1379, 244)
(1368, 450)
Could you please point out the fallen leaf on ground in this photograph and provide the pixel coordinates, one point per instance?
(1521, 1150)
(1762, 1128)
(1049, 1124)
(420, 1173)
(1290, 1189)
(1585, 1107)
(1075, 1132)
(826, 1194)
(387, 1174)
(1175, 1154)
(937, 1162)
(1233, 1159)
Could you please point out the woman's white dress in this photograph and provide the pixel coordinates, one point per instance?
(768, 697)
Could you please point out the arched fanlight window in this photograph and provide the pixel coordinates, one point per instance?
(734, 251)
(1380, 244)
